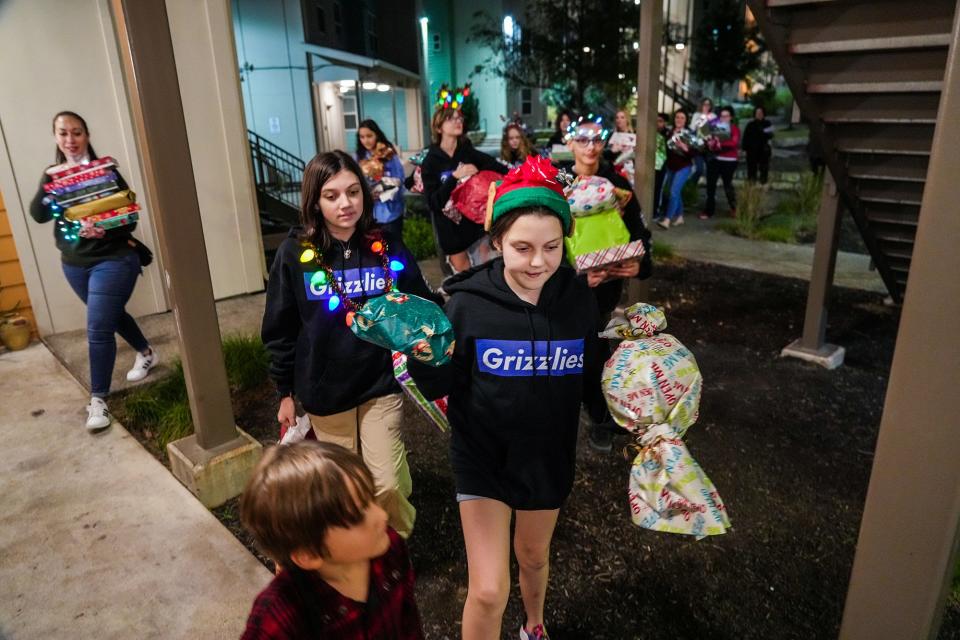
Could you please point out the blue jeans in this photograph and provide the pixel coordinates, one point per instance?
(676, 180)
(105, 288)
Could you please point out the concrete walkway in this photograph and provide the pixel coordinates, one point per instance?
(97, 539)
(698, 240)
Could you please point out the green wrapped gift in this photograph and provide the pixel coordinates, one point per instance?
(596, 233)
(406, 323)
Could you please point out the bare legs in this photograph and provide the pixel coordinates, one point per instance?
(486, 533)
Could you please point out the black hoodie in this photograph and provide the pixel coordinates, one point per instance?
(514, 418)
(312, 351)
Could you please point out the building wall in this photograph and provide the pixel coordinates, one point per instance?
(36, 81)
(456, 59)
(13, 286)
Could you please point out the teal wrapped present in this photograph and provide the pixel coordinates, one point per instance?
(406, 323)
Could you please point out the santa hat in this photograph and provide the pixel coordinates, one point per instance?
(535, 183)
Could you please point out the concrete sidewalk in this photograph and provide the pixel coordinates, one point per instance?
(698, 240)
(97, 539)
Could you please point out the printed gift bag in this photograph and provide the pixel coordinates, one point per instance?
(652, 385)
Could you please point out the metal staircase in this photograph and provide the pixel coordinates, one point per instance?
(277, 175)
(867, 75)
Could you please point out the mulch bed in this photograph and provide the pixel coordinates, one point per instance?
(788, 445)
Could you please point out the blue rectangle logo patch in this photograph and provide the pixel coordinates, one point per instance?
(511, 358)
(369, 281)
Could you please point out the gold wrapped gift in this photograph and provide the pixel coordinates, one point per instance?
(101, 205)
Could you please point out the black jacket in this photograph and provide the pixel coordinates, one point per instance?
(514, 418)
(312, 351)
(84, 252)
(754, 139)
(438, 185)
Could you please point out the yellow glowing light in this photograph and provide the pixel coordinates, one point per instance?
(307, 255)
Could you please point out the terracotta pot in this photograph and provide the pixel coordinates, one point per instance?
(15, 332)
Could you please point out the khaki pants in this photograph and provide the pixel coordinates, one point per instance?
(373, 431)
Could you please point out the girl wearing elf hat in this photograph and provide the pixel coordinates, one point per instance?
(452, 158)
(526, 331)
(326, 269)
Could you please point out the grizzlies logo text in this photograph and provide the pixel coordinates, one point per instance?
(369, 281)
(514, 358)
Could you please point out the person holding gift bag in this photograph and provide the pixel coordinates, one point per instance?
(101, 266)
(723, 165)
(526, 339)
(452, 158)
(586, 139)
(324, 272)
(388, 205)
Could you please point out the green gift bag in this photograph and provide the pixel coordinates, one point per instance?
(406, 323)
(595, 233)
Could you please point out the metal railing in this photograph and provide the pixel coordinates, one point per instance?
(276, 172)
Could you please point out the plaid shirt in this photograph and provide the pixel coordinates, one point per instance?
(298, 604)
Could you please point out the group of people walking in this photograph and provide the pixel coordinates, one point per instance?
(334, 514)
(679, 161)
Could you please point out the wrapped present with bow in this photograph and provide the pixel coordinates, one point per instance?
(469, 198)
(406, 323)
(434, 410)
(652, 386)
(599, 235)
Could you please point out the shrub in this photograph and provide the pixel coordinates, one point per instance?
(775, 233)
(246, 360)
(418, 236)
(751, 203)
(163, 407)
(662, 251)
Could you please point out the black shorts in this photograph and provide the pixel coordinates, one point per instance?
(456, 237)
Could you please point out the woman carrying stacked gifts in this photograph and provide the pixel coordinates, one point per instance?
(586, 139)
(325, 272)
(526, 336)
(383, 169)
(451, 159)
(100, 258)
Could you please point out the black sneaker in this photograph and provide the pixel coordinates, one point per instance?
(601, 437)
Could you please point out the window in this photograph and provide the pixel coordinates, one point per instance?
(337, 19)
(526, 101)
(321, 21)
(350, 119)
(436, 42)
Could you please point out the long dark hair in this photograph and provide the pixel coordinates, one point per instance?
(377, 131)
(59, 158)
(560, 114)
(316, 174)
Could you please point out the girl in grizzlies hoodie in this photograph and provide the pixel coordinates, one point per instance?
(332, 265)
(526, 334)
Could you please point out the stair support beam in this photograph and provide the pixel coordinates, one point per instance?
(907, 548)
(812, 345)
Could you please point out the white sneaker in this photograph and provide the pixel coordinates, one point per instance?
(142, 366)
(664, 222)
(97, 415)
(678, 221)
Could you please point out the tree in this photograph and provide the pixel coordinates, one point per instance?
(577, 48)
(724, 48)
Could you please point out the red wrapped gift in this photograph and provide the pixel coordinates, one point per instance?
(470, 197)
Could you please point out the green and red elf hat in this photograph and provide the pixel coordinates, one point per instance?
(535, 183)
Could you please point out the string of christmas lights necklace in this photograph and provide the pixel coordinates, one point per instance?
(325, 275)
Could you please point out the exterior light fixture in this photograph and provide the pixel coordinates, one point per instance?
(508, 27)
(679, 46)
(586, 49)
(636, 45)
(383, 87)
(369, 86)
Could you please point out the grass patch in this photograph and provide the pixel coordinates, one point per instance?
(662, 251)
(793, 219)
(161, 410)
(418, 237)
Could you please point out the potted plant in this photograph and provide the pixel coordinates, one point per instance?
(14, 329)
